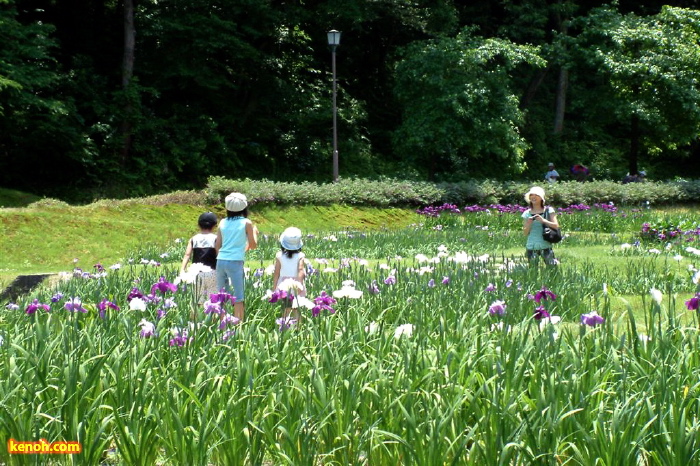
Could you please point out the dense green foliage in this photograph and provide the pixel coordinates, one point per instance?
(389, 192)
(427, 90)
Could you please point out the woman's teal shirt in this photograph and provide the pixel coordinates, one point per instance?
(534, 239)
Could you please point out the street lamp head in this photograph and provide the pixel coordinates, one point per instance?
(333, 38)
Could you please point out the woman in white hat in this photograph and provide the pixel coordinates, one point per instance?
(534, 222)
(236, 235)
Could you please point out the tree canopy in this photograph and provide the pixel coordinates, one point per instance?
(128, 98)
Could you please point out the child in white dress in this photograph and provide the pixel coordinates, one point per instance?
(290, 265)
(201, 249)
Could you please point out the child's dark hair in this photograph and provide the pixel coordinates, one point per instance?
(240, 213)
(290, 252)
(207, 220)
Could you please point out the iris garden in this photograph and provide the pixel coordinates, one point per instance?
(435, 344)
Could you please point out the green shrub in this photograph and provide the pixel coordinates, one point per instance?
(402, 193)
(48, 202)
(387, 192)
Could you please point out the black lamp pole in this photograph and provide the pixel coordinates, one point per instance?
(334, 41)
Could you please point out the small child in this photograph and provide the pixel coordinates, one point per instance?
(201, 247)
(290, 265)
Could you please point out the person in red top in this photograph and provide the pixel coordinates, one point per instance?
(579, 172)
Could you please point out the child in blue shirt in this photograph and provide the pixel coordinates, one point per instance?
(236, 235)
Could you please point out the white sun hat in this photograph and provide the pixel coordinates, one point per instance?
(535, 190)
(235, 202)
(290, 239)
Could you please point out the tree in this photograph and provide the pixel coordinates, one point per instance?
(127, 75)
(459, 114)
(539, 22)
(36, 120)
(649, 76)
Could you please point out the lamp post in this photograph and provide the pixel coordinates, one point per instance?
(334, 41)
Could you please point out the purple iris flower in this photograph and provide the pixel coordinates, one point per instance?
(541, 313)
(75, 304)
(213, 308)
(163, 286)
(285, 323)
(693, 303)
(445, 280)
(228, 319)
(98, 267)
(147, 329)
(497, 308)
(32, 308)
(259, 272)
(323, 303)
(592, 319)
(280, 295)
(509, 283)
(221, 297)
(134, 293)
(319, 308)
(373, 288)
(324, 298)
(180, 339)
(161, 313)
(12, 307)
(104, 305)
(431, 283)
(545, 294)
(390, 280)
(57, 297)
(490, 288)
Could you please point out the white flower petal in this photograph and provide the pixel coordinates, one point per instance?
(372, 328)
(405, 329)
(137, 304)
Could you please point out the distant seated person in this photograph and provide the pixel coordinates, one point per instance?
(552, 175)
(634, 177)
(579, 172)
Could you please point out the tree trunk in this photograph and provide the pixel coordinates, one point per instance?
(127, 74)
(532, 88)
(563, 82)
(562, 86)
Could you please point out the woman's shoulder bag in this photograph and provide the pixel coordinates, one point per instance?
(551, 235)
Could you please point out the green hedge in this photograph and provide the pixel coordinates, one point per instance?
(398, 193)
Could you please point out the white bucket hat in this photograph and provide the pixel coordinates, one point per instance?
(235, 202)
(290, 239)
(535, 190)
